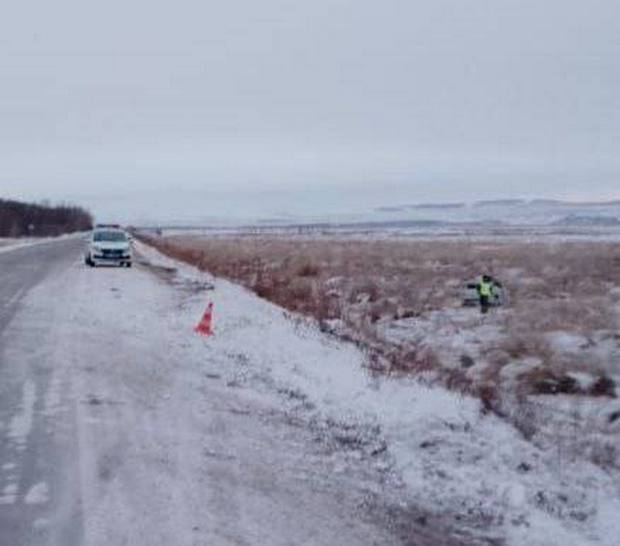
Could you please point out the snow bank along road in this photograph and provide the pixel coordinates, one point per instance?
(118, 425)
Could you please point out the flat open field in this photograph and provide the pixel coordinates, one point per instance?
(403, 300)
(548, 362)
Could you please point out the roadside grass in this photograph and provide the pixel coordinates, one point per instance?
(365, 290)
(552, 287)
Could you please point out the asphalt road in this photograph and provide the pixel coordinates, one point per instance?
(23, 268)
(26, 462)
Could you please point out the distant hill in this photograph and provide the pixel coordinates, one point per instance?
(390, 209)
(19, 219)
(500, 202)
(547, 202)
(580, 220)
(437, 206)
(420, 206)
(611, 203)
(558, 202)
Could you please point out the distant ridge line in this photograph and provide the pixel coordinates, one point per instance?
(498, 202)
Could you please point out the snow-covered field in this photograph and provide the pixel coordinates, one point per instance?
(448, 463)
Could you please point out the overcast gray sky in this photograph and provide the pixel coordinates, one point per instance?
(151, 108)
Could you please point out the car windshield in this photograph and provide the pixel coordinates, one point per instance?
(111, 236)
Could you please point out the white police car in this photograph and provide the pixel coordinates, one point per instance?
(109, 245)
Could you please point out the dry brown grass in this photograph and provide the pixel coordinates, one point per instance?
(362, 285)
(560, 286)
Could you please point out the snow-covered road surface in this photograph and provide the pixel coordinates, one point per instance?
(119, 425)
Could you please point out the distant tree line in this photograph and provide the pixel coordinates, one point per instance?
(18, 219)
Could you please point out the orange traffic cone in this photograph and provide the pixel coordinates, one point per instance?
(204, 327)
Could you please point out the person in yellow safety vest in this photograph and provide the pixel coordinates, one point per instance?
(485, 291)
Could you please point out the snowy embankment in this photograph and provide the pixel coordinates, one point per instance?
(460, 468)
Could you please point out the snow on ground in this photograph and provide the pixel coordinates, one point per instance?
(463, 468)
(8, 244)
(128, 428)
(451, 333)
